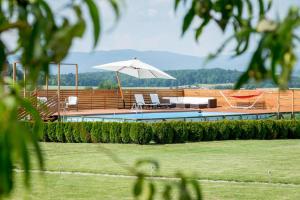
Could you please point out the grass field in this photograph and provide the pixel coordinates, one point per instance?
(228, 169)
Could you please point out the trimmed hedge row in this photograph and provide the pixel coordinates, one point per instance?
(169, 132)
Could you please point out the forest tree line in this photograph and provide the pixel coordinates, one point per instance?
(107, 80)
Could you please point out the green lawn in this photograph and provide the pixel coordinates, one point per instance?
(245, 161)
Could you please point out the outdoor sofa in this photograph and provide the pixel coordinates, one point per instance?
(194, 102)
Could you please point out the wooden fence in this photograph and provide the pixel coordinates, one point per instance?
(271, 99)
(109, 99)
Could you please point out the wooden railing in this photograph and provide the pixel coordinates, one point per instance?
(272, 100)
(107, 99)
(22, 113)
(46, 109)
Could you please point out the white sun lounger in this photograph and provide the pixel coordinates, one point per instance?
(42, 99)
(140, 102)
(71, 101)
(155, 100)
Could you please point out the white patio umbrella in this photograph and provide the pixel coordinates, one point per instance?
(135, 68)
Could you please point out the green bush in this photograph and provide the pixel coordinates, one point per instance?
(180, 131)
(60, 132)
(125, 132)
(77, 129)
(296, 131)
(168, 132)
(96, 132)
(195, 131)
(105, 136)
(211, 130)
(85, 132)
(51, 131)
(163, 133)
(115, 133)
(225, 130)
(140, 133)
(69, 127)
(44, 137)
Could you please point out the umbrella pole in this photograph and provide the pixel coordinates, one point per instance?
(120, 89)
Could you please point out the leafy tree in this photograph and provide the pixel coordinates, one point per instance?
(274, 57)
(108, 84)
(41, 38)
(106, 80)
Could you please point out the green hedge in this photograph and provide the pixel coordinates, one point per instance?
(169, 132)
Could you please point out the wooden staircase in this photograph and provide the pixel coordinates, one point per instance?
(47, 110)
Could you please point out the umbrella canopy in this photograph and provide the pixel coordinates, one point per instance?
(135, 68)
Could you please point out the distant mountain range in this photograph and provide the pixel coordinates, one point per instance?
(161, 59)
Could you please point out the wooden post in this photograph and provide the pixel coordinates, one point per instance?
(24, 79)
(278, 103)
(293, 102)
(14, 72)
(120, 88)
(77, 86)
(47, 86)
(58, 89)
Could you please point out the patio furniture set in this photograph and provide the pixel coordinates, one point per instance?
(179, 102)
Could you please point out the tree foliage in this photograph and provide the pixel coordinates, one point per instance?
(107, 80)
(274, 57)
(212, 77)
(42, 37)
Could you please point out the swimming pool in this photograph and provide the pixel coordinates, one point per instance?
(166, 116)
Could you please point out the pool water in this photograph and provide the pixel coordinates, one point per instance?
(166, 116)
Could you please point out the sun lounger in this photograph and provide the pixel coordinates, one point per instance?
(42, 99)
(71, 101)
(140, 102)
(155, 100)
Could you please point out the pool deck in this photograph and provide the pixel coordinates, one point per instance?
(122, 111)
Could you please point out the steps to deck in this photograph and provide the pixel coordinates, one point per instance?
(46, 108)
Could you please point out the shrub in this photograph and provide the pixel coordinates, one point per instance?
(271, 129)
(96, 132)
(51, 130)
(296, 133)
(68, 129)
(77, 129)
(115, 132)
(60, 132)
(140, 133)
(125, 132)
(44, 137)
(163, 133)
(105, 133)
(85, 132)
(168, 132)
(180, 131)
(225, 128)
(195, 131)
(247, 130)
